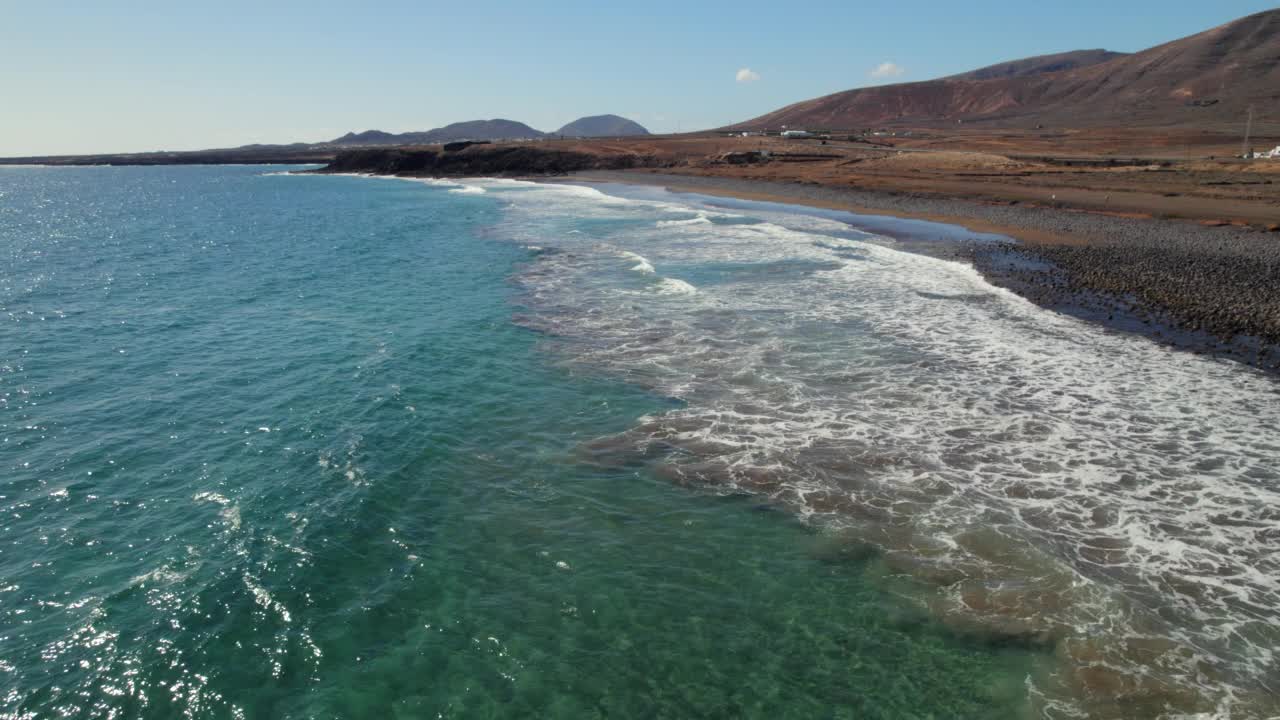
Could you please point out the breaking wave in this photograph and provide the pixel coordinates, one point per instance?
(1027, 476)
(700, 220)
(642, 265)
(672, 286)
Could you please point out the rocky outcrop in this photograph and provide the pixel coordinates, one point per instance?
(462, 145)
(478, 160)
(747, 157)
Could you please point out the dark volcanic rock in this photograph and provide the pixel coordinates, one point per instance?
(1206, 288)
(480, 160)
(747, 157)
(462, 145)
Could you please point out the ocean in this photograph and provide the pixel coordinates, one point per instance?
(304, 446)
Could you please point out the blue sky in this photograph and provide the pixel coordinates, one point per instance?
(129, 76)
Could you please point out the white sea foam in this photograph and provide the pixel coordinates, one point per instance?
(642, 265)
(1044, 477)
(230, 512)
(672, 286)
(163, 575)
(212, 497)
(468, 190)
(1037, 475)
(265, 600)
(700, 220)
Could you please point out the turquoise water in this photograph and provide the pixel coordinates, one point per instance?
(308, 447)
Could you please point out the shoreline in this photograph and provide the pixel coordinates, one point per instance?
(803, 194)
(1202, 289)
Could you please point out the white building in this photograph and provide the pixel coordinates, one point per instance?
(796, 134)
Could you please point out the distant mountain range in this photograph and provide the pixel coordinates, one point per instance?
(497, 129)
(1206, 80)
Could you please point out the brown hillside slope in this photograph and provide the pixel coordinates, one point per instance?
(1040, 65)
(1206, 80)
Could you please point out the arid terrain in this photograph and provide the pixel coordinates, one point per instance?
(1186, 174)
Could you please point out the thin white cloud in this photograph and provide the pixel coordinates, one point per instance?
(886, 70)
(747, 75)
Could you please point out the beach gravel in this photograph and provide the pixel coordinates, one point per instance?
(1207, 288)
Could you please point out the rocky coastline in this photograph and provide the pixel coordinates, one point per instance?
(482, 159)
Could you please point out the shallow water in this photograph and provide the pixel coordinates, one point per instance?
(273, 446)
(1030, 476)
(280, 446)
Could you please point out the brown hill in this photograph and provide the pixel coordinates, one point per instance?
(1206, 80)
(1040, 65)
(602, 126)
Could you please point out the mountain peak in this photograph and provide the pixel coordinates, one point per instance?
(1207, 79)
(602, 126)
(495, 129)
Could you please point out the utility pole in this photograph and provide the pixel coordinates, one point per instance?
(1248, 130)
